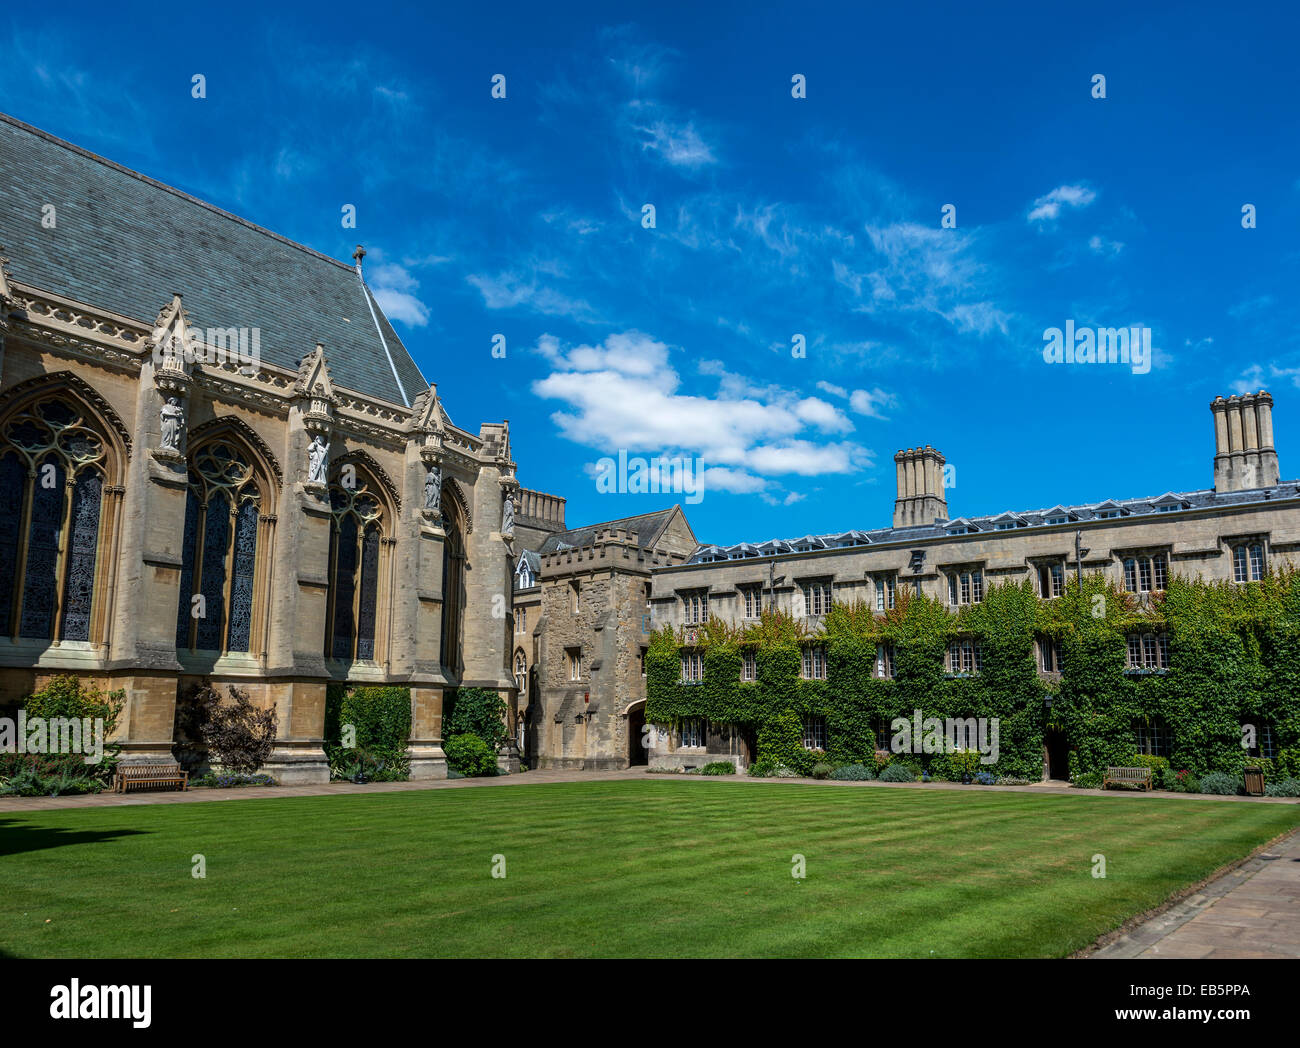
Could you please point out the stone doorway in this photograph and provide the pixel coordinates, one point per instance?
(637, 754)
(1056, 753)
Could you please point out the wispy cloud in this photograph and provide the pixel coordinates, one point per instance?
(1048, 208)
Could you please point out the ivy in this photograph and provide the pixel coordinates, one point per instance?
(1234, 658)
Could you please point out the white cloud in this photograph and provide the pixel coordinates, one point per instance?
(394, 289)
(1048, 208)
(870, 401)
(625, 394)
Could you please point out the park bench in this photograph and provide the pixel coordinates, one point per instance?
(149, 776)
(1127, 777)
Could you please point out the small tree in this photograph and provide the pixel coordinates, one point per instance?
(237, 734)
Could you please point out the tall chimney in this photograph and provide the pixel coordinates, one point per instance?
(921, 499)
(1244, 455)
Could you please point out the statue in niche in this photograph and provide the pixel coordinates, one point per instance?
(508, 517)
(173, 422)
(433, 488)
(317, 455)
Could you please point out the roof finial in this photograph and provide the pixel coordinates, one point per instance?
(358, 255)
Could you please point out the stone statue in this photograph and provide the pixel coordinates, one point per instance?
(433, 488)
(317, 455)
(508, 517)
(173, 421)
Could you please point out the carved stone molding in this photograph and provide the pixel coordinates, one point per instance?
(375, 469)
(50, 384)
(245, 432)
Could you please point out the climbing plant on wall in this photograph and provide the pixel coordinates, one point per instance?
(1233, 659)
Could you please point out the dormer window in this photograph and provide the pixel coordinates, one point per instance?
(1168, 503)
(1058, 520)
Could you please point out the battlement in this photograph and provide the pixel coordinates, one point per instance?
(612, 549)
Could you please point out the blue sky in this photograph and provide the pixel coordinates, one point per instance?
(775, 217)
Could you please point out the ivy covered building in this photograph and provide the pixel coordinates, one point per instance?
(1182, 629)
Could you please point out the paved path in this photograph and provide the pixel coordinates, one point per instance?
(1254, 911)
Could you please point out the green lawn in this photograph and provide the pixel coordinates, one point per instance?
(623, 868)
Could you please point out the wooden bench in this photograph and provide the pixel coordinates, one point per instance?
(149, 776)
(1127, 777)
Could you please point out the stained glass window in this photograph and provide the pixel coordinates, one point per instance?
(355, 534)
(215, 610)
(51, 493)
(453, 568)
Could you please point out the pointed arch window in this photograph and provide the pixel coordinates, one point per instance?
(222, 509)
(453, 584)
(521, 673)
(356, 528)
(51, 502)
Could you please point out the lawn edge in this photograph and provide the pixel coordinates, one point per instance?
(1179, 896)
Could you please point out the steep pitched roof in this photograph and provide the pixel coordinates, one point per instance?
(647, 527)
(125, 242)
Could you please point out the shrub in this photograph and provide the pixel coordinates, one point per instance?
(237, 734)
(367, 731)
(1086, 780)
(763, 768)
(1221, 783)
(54, 774)
(719, 768)
(1161, 776)
(1185, 782)
(853, 773)
(965, 762)
(1011, 780)
(986, 778)
(782, 772)
(897, 773)
(478, 711)
(469, 755)
(223, 780)
(1285, 788)
(822, 770)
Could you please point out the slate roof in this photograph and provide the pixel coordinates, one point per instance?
(1083, 512)
(124, 242)
(647, 527)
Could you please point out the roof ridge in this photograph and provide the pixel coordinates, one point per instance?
(121, 169)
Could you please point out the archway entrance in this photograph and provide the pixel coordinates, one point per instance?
(1056, 750)
(637, 754)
